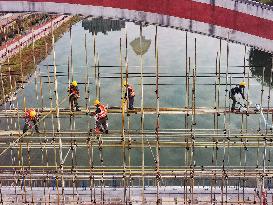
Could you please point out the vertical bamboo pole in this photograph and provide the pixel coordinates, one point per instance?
(188, 89)
(99, 90)
(96, 76)
(193, 121)
(10, 92)
(270, 86)
(91, 165)
(186, 79)
(86, 86)
(2, 85)
(102, 165)
(142, 119)
(34, 65)
(268, 101)
(128, 199)
(121, 68)
(226, 124)
(95, 64)
(29, 168)
(71, 54)
(57, 114)
(216, 92)
(194, 85)
(21, 67)
(215, 127)
(41, 89)
(158, 175)
(219, 82)
(123, 136)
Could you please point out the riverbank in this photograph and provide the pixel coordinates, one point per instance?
(18, 68)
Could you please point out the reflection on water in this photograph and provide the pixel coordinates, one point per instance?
(259, 61)
(172, 89)
(96, 25)
(140, 45)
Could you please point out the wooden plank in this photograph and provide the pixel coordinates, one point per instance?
(148, 110)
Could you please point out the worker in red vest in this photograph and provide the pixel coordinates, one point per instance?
(31, 117)
(101, 117)
(130, 92)
(74, 94)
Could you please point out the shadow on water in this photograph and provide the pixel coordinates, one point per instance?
(259, 60)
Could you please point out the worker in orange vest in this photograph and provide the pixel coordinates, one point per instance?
(31, 116)
(130, 92)
(101, 117)
(74, 94)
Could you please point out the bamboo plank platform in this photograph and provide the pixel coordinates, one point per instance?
(137, 110)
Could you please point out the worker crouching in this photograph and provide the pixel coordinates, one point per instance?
(237, 90)
(74, 94)
(100, 117)
(31, 117)
(130, 92)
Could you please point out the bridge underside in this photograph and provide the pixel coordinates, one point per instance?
(248, 23)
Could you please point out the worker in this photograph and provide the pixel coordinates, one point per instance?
(74, 94)
(130, 92)
(31, 116)
(239, 89)
(101, 117)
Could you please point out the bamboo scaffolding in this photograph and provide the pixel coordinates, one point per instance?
(74, 157)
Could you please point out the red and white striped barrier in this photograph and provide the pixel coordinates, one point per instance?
(243, 21)
(12, 47)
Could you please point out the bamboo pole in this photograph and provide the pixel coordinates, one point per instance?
(186, 79)
(123, 136)
(86, 84)
(142, 118)
(58, 115)
(157, 162)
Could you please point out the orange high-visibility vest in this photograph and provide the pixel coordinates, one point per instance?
(73, 90)
(27, 114)
(103, 112)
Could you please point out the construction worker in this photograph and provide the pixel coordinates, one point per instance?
(31, 116)
(74, 94)
(101, 117)
(130, 92)
(239, 89)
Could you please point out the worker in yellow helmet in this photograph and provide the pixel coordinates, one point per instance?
(74, 94)
(238, 89)
(101, 117)
(130, 92)
(31, 117)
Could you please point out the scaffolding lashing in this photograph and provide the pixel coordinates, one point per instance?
(60, 148)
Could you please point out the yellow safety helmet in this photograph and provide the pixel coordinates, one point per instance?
(74, 83)
(96, 102)
(125, 83)
(243, 84)
(32, 113)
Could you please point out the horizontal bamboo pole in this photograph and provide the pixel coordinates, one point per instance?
(67, 145)
(210, 133)
(118, 110)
